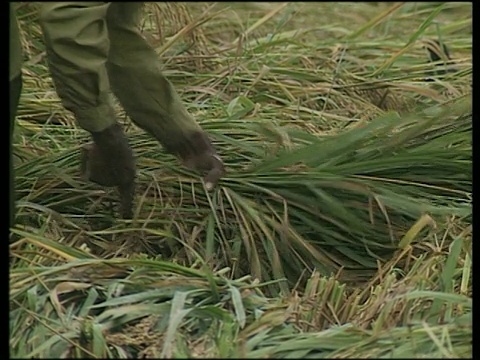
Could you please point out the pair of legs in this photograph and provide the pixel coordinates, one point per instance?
(96, 47)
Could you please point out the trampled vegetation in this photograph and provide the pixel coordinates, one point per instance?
(343, 226)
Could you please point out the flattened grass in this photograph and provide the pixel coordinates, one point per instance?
(342, 227)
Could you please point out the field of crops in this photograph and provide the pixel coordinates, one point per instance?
(342, 229)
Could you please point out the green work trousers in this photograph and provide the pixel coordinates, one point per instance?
(95, 48)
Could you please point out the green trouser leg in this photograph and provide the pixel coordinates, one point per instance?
(77, 44)
(136, 79)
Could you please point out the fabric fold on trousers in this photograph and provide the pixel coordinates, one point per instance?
(95, 49)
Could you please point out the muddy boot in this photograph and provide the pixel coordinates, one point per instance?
(109, 161)
(199, 154)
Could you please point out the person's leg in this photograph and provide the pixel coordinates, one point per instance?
(77, 44)
(149, 99)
